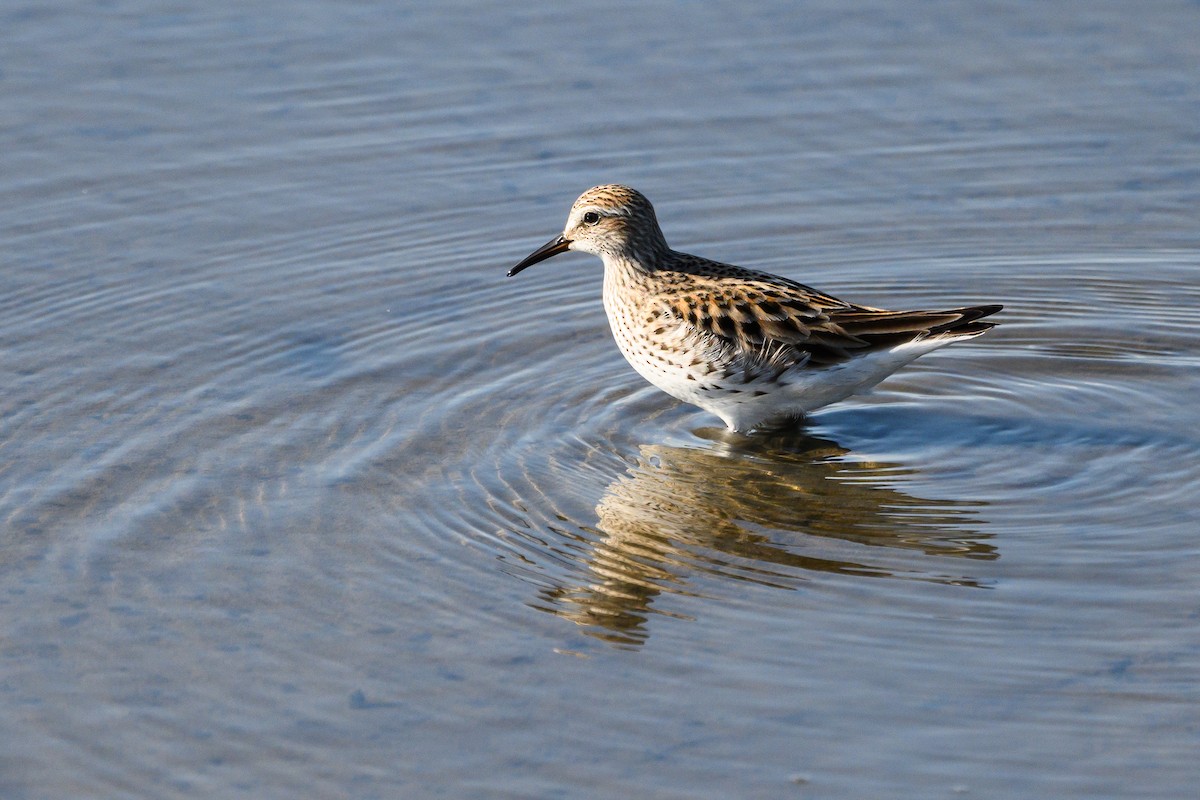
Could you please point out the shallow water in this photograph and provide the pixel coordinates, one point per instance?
(300, 496)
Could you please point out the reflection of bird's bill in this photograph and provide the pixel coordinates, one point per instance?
(767, 509)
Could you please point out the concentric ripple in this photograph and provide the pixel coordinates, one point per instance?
(301, 497)
(607, 497)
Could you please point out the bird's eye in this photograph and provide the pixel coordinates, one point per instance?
(591, 218)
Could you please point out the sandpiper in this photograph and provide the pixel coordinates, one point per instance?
(753, 348)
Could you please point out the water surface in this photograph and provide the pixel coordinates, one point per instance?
(300, 496)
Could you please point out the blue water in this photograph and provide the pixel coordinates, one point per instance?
(301, 497)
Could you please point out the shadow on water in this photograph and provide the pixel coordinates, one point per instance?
(774, 509)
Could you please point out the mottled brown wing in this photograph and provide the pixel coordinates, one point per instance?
(773, 325)
(768, 327)
(889, 328)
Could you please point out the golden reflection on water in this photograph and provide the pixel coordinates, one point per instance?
(768, 509)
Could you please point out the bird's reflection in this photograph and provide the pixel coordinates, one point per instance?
(769, 509)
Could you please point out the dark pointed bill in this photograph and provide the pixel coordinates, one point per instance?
(559, 244)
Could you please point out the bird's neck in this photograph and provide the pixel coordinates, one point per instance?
(626, 275)
(630, 267)
(643, 256)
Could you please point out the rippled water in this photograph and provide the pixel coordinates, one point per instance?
(300, 496)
